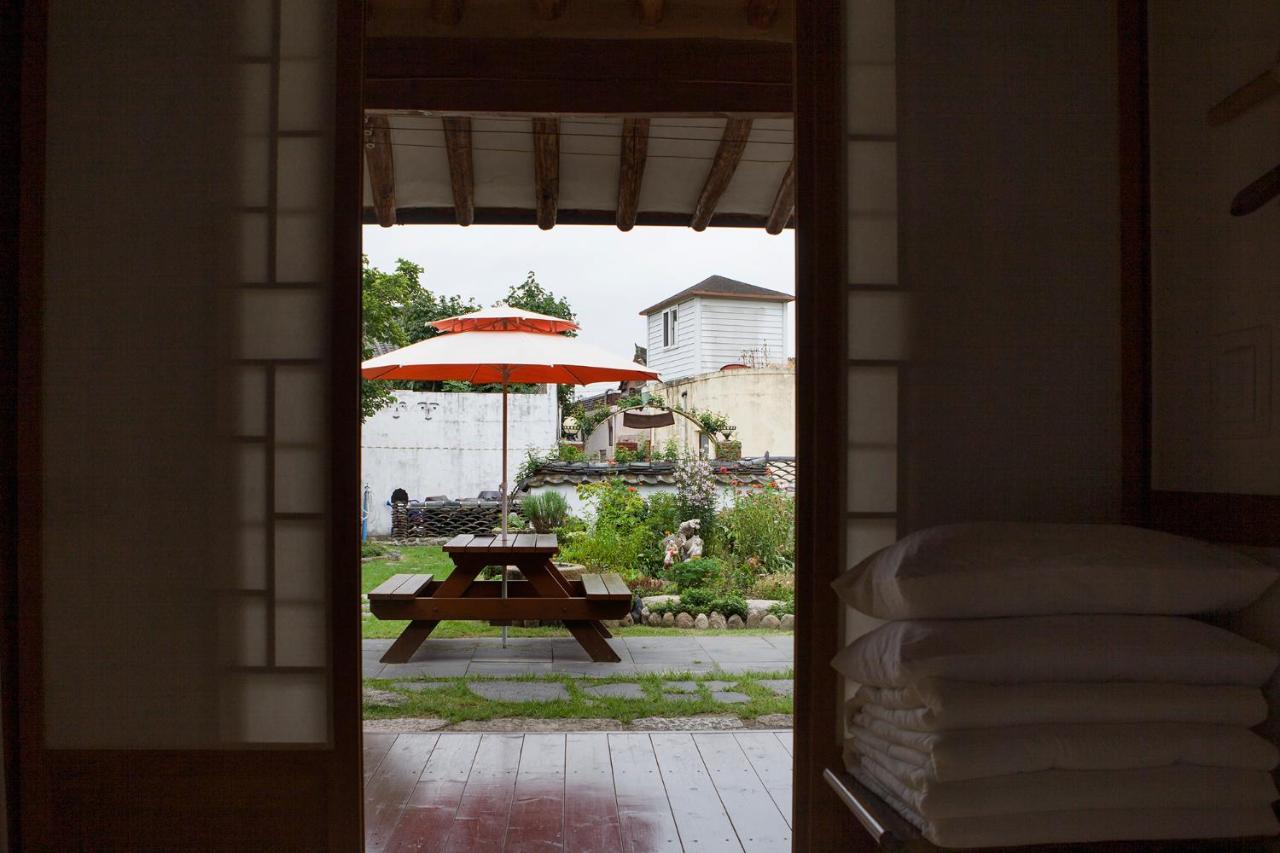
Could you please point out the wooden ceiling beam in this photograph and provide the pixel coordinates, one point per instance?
(457, 143)
(732, 143)
(761, 13)
(635, 151)
(448, 12)
(784, 203)
(546, 170)
(382, 171)
(548, 10)
(650, 12)
(545, 75)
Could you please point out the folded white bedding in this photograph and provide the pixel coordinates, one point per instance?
(1055, 648)
(981, 570)
(1065, 827)
(976, 753)
(938, 705)
(1180, 786)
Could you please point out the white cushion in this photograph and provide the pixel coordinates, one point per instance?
(966, 571)
(1055, 648)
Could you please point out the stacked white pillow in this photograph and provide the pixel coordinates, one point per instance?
(1046, 684)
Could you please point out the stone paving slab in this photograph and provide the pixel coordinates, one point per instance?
(780, 686)
(519, 691)
(532, 655)
(681, 697)
(730, 697)
(718, 685)
(681, 686)
(420, 686)
(621, 690)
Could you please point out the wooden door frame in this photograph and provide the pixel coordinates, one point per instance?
(820, 821)
(33, 775)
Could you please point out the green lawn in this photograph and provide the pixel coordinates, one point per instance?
(455, 703)
(429, 559)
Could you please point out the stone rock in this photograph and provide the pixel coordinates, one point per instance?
(680, 686)
(754, 618)
(771, 621)
(735, 621)
(571, 571)
(373, 696)
(651, 600)
(714, 613)
(700, 621)
(788, 622)
(644, 612)
(668, 619)
(684, 620)
(627, 621)
(611, 623)
(702, 723)
(775, 721)
(519, 691)
(655, 619)
(762, 604)
(624, 690)
(730, 697)
(717, 622)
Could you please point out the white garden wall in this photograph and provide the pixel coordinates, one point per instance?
(431, 443)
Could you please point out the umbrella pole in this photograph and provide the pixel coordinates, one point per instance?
(504, 491)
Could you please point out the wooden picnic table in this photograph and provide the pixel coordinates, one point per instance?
(543, 594)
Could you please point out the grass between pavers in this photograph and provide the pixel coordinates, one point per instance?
(457, 704)
(431, 560)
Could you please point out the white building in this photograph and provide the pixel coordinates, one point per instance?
(450, 444)
(717, 322)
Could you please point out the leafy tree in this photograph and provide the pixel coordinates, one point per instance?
(384, 299)
(532, 296)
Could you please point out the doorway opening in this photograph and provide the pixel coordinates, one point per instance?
(674, 492)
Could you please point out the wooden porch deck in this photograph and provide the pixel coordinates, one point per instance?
(588, 792)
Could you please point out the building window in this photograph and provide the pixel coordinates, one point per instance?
(669, 328)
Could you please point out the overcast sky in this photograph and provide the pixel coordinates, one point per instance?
(607, 275)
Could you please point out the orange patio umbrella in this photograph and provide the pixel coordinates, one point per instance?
(504, 345)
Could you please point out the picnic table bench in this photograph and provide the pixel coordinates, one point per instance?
(544, 594)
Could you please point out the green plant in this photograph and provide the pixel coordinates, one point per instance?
(785, 607)
(372, 549)
(759, 530)
(670, 450)
(696, 492)
(711, 422)
(545, 511)
(624, 455)
(616, 534)
(776, 587)
(692, 574)
(703, 600)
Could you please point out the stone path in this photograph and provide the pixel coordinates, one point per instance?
(523, 656)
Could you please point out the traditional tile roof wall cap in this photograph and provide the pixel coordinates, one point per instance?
(748, 472)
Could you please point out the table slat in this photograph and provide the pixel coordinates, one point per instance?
(459, 542)
(616, 586)
(389, 586)
(594, 586)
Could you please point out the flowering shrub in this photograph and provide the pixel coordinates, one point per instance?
(696, 490)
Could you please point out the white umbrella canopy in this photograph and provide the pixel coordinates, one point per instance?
(512, 357)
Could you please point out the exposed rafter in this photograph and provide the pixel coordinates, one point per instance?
(635, 150)
(457, 143)
(762, 13)
(546, 170)
(784, 203)
(650, 12)
(382, 172)
(732, 143)
(548, 10)
(446, 11)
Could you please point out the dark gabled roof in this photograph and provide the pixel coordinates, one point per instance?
(718, 285)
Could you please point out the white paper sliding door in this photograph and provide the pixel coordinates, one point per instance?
(195, 421)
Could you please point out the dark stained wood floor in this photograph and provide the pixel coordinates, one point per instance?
(579, 793)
